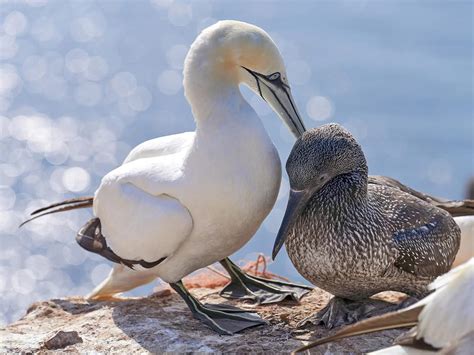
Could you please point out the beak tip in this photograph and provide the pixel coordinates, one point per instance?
(296, 202)
(302, 132)
(275, 251)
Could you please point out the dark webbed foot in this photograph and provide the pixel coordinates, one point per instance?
(90, 238)
(340, 311)
(223, 319)
(337, 312)
(260, 290)
(407, 302)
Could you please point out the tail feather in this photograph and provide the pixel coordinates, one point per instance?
(67, 205)
(71, 201)
(457, 208)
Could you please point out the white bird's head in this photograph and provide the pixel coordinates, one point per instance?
(229, 53)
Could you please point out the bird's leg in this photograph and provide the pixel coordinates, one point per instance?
(340, 311)
(223, 319)
(407, 302)
(260, 290)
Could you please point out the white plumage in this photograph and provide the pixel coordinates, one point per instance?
(152, 207)
(450, 305)
(197, 197)
(466, 249)
(401, 350)
(447, 314)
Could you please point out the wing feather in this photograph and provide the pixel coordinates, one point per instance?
(139, 207)
(428, 250)
(161, 146)
(455, 208)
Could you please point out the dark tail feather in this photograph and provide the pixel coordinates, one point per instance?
(68, 205)
(455, 208)
(71, 201)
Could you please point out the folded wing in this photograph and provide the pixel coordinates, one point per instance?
(141, 216)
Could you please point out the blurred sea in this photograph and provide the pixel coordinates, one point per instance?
(82, 82)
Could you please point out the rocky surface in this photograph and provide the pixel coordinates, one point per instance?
(162, 322)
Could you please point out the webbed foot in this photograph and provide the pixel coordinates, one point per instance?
(258, 289)
(223, 319)
(340, 311)
(90, 237)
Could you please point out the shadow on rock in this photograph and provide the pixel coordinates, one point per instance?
(166, 324)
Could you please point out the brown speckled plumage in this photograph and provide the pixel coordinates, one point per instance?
(354, 238)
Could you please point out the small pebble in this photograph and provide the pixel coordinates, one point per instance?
(62, 339)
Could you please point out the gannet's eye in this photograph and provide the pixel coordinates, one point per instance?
(274, 76)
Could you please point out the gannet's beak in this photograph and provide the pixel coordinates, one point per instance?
(278, 94)
(296, 203)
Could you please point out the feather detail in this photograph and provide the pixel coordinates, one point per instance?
(455, 208)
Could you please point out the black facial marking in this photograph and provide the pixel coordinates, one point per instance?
(276, 80)
(258, 82)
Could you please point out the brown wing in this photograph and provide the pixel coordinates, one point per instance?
(455, 208)
(428, 250)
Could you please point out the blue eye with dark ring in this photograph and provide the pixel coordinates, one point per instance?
(274, 76)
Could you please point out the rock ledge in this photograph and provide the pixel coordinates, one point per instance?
(162, 323)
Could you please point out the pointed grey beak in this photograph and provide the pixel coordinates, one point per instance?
(278, 95)
(296, 203)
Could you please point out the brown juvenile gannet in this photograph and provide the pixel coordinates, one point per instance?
(355, 239)
(182, 202)
(442, 321)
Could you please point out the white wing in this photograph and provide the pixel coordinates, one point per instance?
(466, 249)
(161, 146)
(121, 278)
(450, 305)
(140, 215)
(401, 350)
(447, 314)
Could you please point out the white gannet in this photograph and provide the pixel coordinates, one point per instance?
(442, 320)
(182, 202)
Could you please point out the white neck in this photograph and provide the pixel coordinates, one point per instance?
(220, 111)
(212, 100)
(209, 85)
